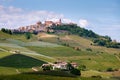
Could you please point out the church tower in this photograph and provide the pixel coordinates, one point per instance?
(60, 21)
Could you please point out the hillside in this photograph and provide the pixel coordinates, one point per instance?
(105, 41)
(19, 61)
(99, 55)
(50, 47)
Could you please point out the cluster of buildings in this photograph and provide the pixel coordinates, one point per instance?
(60, 65)
(38, 27)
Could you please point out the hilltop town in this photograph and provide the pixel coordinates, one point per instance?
(41, 27)
(38, 27)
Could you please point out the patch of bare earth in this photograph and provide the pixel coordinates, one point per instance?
(115, 73)
(44, 35)
(66, 38)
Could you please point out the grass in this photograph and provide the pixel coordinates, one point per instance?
(26, 52)
(35, 43)
(7, 71)
(43, 58)
(95, 61)
(100, 58)
(3, 54)
(53, 73)
(82, 43)
(45, 77)
(19, 61)
(95, 73)
(56, 51)
(9, 45)
(42, 44)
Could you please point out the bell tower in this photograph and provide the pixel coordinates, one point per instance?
(60, 21)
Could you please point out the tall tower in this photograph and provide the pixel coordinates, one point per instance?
(60, 21)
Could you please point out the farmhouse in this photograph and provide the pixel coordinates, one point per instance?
(60, 65)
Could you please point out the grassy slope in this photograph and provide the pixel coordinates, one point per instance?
(83, 43)
(56, 51)
(10, 63)
(21, 37)
(100, 57)
(43, 77)
(20, 61)
(100, 61)
(50, 75)
(3, 54)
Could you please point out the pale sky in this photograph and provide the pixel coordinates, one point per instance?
(101, 16)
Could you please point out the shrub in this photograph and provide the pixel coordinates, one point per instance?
(98, 76)
(28, 35)
(46, 68)
(116, 69)
(8, 31)
(77, 48)
(88, 49)
(75, 72)
(110, 69)
(65, 44)
(89, 58)
(82, 67)
(69, 66)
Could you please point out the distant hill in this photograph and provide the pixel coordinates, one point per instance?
(68, 29)
(89, 34)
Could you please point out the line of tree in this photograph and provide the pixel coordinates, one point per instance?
(107, 43)
(8, 31)
(28, 35)
(89, 34)
(74, 29)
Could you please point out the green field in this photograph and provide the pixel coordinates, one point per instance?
(95, 61)
(34, 53)
(56, 51)
(50, 75)
(19, 61)
(43, 77)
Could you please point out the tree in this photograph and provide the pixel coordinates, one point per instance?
(69, 66)
(108, 38)
(10, 32)
(89, 49)
(110, 69)
(82, 67)
(3, 29)
(75, 72)
(28, 35)
(46, 68)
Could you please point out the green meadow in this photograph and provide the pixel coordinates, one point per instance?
(34, 52)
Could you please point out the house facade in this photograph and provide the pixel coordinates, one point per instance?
(60, 65)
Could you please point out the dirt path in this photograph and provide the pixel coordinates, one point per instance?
(34, 53)
(18, 71)
(34, 69)
(3, 50)
(117, 57)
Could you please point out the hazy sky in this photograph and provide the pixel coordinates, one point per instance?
(101, 16)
